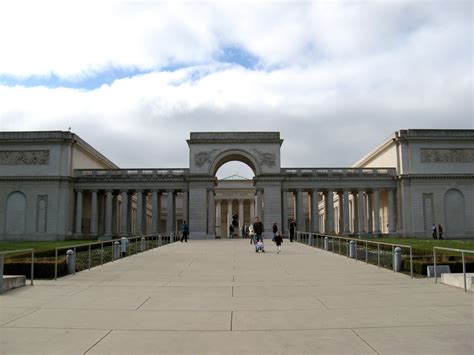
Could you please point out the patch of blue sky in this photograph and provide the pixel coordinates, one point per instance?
(91, 82)
(239, 56)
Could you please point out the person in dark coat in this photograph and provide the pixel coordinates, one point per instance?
(258, 229)
(292, 229)
(274, 230)
(440, 231)
(435, 236)
(184, 232)
(278, 241)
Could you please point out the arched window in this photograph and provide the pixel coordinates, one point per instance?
(16, 213)
(454, 212)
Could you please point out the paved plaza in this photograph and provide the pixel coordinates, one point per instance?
(221, 297)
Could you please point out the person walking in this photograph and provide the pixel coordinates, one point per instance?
(258, 229)
(440, 231)
(278, 241)
(184, 232)
(251, 234)
(124, 245)
(434, 231)
(292, 229)
(274, 230)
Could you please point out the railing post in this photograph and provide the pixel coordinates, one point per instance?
(32, 266)
(464, 271)
(89, 257)
(101, 254)
(411, 262)
(339, 246)
(366, 252)
(56, 264)
(434, 262)
(393, 254)
(378, 254)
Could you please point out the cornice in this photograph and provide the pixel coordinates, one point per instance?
(436, 177)
(37, 178)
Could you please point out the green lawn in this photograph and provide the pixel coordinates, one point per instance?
(40, 246)
(427, 244)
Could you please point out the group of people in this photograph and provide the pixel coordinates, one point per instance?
(437, 231)
(255, 232)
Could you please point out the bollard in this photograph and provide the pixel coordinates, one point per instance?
(352, 249)
(116, 250)
(142, 245)
(326, 242)
(70, 262)
(397, 259)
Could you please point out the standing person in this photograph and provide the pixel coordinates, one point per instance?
(184, 231)
(124, 244)
(274, 230)
(244, 231)
(278, 241)
(292, 229)
(258, 229)
(231, 231)
(434, 231)
(440, 231)
(251, 234)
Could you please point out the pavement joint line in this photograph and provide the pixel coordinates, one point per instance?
(97, 342)
(365, 341)
(324, 304)
(143, 303)
(77, 292)
(19, 317)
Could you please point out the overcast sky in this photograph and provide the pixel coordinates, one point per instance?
(334, 77)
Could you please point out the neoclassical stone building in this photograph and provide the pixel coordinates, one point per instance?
(53, 185)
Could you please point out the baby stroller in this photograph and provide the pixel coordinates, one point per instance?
(259, 247)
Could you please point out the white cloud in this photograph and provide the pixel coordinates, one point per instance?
(334, 78)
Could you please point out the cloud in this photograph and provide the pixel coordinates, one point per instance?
(334, 78)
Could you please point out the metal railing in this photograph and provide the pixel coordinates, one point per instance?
(462, 251)
(155, 240)
(317, 240)
(2, 258)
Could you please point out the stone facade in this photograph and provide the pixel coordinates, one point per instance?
(53, 185)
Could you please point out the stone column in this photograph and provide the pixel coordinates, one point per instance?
(329, 205)
(376, 212)
(115, 218)
(299, 211)
(345, 211)
(78, 227)
(155, 212)
(360, 212)
(108, 213)
(314, 211)
(368, 209)
(170, 227)
(218, 218)
(124, 217)
(284, 211)
(340, 225)
(211, 213)
(229, 217)
(259, 204)
(391, 212)
(94, 214)
(241, 216)
(185, 205)
(139, 223)
(252, 210)
(130, 229)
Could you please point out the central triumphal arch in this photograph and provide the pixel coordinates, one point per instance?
(209, 151)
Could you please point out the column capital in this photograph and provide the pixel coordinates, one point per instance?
(78, 190)
(93, 190)
(109, 191)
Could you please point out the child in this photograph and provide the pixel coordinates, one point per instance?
(278, 241)
(259, 246)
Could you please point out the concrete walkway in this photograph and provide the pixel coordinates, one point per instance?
(222, 297)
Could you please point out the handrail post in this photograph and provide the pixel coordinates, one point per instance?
(393, 253)
(101, 253)
(464, 271)
(89, 257)
(56, 264)
(378, 255)
(32, 266)
(366, 252)
(411, 262)
(434, 259)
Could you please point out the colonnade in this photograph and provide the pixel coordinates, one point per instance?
(226, 204)
(358, 210)
(126, 212)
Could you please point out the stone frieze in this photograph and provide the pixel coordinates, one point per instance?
(456, 155)
(24, 157)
